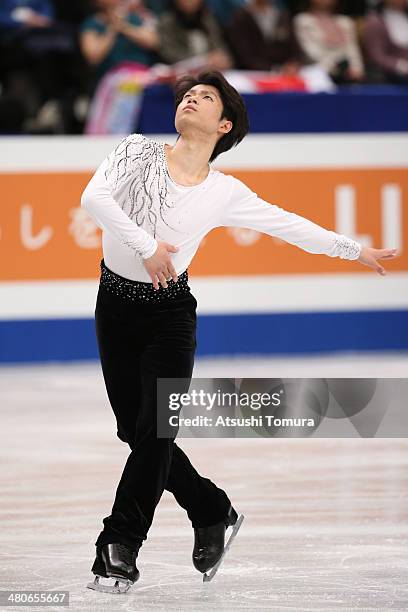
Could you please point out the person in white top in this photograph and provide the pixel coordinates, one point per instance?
(330, 40)
(155, 203)
(385, 40)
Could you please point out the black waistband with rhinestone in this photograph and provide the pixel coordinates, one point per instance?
(138, 291)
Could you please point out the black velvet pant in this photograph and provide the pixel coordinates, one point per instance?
(139, 342)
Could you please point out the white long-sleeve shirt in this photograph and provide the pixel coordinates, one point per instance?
(133, 199)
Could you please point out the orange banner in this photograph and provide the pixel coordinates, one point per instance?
(45, 234)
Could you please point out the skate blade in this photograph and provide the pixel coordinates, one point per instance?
(110, 585)
(213, 571)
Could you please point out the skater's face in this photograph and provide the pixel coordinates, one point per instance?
(200, 111)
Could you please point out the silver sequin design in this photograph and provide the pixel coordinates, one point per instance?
(136, 173)
(137, 291)
(346, 248)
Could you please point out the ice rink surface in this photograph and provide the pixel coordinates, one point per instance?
(326, 520)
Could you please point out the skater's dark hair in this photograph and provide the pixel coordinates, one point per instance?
(234, 108)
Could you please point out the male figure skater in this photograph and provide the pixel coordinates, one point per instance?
(155, 203)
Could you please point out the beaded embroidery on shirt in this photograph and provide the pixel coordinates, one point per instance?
(346, 247)
(136, 172)
(138, 291)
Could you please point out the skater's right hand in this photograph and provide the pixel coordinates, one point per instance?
(369, 256)
(159, 265)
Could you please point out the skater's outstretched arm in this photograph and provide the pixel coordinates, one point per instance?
(245, 209)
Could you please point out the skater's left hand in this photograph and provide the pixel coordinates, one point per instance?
(369, 257)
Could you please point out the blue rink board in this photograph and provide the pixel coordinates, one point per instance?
(239, 334)
(351, 109)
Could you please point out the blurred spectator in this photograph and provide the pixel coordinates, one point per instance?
(37, 61)
(19, 14)
(260, 36)
(157, 6)
(330, 40)
(354, 8)
(119, 32)
(385, 40)
(188, 29)
(74, 11)
(223, 10)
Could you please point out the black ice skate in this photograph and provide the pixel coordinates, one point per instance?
(209, 549)
(114, 568)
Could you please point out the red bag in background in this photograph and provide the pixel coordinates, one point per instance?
(281, 82)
